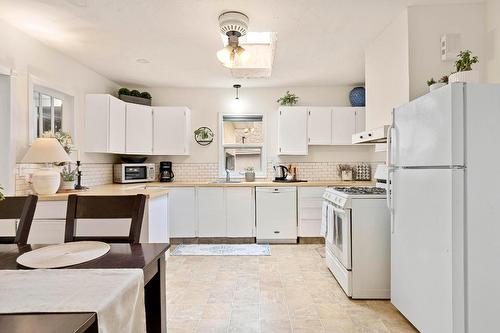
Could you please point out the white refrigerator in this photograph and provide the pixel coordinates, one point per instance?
(444, 176)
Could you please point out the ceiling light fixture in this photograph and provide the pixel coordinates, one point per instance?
(233, 25)
(237, 87)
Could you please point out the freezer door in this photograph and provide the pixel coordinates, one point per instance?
(429, 131)
(427, 248)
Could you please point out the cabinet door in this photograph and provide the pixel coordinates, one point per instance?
(310, 204)
(139, 129)
(319, 126)
(116, 126)
(46, 232)
(360, 119)
(182, 212)
(344, 125)
(171, 130)
(97, 123)
(211, 212)
(240, 212)
(292, 131)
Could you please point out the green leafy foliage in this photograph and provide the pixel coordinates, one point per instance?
(288, 100)
(67, 174)
(135, 93)
(145, 94)
(1, 194)
(465, 61)
(123, 91)
(431, 81)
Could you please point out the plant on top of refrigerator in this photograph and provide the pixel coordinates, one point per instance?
(431, 81)
(465, 61)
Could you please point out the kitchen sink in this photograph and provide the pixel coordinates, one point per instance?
(223, 181)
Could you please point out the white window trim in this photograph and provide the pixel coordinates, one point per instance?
(263, 146)
(56, 91)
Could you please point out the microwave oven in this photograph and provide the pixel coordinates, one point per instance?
(133, 173)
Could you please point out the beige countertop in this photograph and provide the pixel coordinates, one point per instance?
(156, 189)
(109, 189)
(263, 184)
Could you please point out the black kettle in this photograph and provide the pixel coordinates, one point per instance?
(280, 172)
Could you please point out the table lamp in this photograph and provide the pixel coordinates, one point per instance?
(46, 150)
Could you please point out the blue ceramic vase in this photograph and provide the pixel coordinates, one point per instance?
(357, 96)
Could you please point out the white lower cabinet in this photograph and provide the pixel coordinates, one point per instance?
(240, 211)
(50, 219)
(310, 202)
(276, 214)
(211, 212)
(182, 212)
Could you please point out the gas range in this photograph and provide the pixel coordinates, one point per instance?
(342, 196)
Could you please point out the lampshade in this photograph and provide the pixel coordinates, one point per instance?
(46, 150)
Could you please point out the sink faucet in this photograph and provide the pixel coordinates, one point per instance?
(228, 175)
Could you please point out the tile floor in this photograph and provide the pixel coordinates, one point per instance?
(290, 291)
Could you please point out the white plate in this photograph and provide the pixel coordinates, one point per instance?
(63, 255)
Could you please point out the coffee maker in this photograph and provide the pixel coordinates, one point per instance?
(166, 173)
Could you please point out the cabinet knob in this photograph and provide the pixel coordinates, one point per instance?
(369, 134)
(361, 137)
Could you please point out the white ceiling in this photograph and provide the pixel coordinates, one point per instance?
(320, 42)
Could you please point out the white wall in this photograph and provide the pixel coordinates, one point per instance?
(206, 103)
(6, 149)
(426, 25)
(492, 9)
(28, 57)
(386, 72)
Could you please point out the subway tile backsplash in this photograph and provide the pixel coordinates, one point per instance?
(102, 173)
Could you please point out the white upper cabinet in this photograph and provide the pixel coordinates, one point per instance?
(116, 125)
(360, 119)
(139, 129)
(171, 130)
(292, 130)
(104, 124)
(345, 122)
(320, 125)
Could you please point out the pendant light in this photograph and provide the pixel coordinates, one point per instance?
(237, 87)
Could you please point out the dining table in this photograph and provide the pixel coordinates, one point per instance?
(150, 257)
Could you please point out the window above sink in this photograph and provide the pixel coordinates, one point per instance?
(242, 144)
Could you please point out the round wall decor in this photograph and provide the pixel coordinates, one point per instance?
(204, 136)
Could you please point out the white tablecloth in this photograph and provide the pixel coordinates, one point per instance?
(116, 295)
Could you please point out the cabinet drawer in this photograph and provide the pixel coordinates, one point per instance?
(48, 210)
(46, 232)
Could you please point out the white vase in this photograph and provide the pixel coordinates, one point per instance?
(46, 180)
(465, 76)
(67, 185)
(436, 86)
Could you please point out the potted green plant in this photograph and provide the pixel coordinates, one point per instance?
(249, 174)
(463, 68)
(1, 194)
(288, 100)
(344, 171)
(68, 178)
(433, 85)
(134, 96)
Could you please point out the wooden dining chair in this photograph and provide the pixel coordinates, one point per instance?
(22, 208)
(105, 207)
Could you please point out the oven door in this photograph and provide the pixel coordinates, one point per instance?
(342, 236)
(330, 230)
(136, 172)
